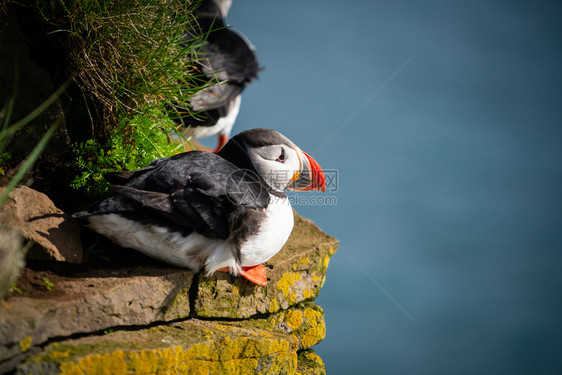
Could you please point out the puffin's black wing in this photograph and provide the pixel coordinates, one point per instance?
(195, 191)
(230, 53)
(226, 57)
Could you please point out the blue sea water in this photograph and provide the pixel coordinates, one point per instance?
(442, 123)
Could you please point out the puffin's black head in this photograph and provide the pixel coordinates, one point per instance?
(277, 160)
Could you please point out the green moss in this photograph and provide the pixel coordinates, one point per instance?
(179, 307)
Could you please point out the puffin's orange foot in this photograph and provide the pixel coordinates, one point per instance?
(255, 274)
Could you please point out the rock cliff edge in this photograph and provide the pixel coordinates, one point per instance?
(134, 317)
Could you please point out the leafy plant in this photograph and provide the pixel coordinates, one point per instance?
(132, 145)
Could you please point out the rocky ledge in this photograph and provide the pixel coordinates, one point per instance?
(146, 318)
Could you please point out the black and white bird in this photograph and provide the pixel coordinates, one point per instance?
(228, 58)
(206, 211)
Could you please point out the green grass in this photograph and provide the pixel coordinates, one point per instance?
(129, 55)
(132, 61)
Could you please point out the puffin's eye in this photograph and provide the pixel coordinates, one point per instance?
(281, 157)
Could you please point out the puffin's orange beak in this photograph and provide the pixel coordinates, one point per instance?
(310, 176)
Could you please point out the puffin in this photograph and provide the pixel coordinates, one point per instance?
(226, 57)
(209, 212)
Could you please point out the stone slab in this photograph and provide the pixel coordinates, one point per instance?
(192, 347)
(64, 304)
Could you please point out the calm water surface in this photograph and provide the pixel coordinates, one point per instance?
(443, 120)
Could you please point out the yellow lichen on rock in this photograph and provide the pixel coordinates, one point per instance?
(310, 363)
(287, 281)
(295, 341)
(317, 330)
(25, 344)
(227, 356)
(315, 314)
(109, 363)
(273, 306)
(294, 319)
(305, 324)
(326, 261)
(292, 297)
(313, 336)
(57, 354)
(314, 358)
(301, 264)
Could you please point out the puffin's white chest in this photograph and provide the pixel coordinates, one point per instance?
(274, 231)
